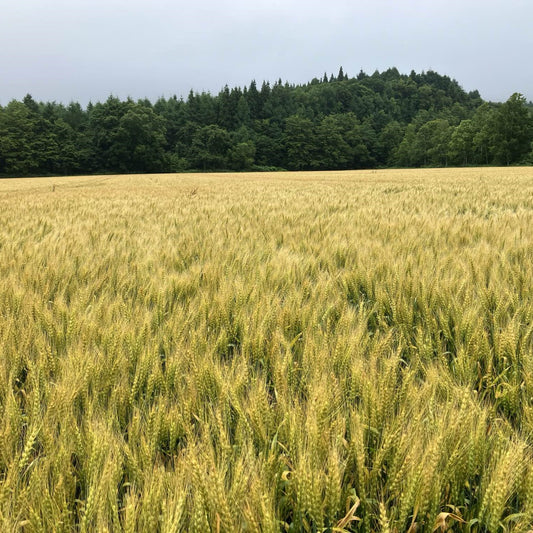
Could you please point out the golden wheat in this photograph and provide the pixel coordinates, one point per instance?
(347, 351)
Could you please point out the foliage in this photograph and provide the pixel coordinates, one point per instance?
(386, 119)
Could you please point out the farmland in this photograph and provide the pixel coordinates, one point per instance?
(267, 352)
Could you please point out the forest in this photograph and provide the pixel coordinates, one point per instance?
(383, 120)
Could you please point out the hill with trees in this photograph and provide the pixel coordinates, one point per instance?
(386, 119)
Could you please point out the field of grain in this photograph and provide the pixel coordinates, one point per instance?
(286, 352)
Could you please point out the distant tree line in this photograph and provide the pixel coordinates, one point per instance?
(385, 119)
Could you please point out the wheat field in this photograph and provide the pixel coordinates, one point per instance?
(293, 352)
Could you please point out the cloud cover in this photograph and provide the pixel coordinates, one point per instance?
(85, 50)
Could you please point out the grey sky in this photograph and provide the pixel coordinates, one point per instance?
(85, 50)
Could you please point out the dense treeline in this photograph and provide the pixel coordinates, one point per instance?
(337, 122)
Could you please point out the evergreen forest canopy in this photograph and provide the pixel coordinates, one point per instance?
(385, 119)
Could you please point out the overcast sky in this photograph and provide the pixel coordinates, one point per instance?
(86, 50)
